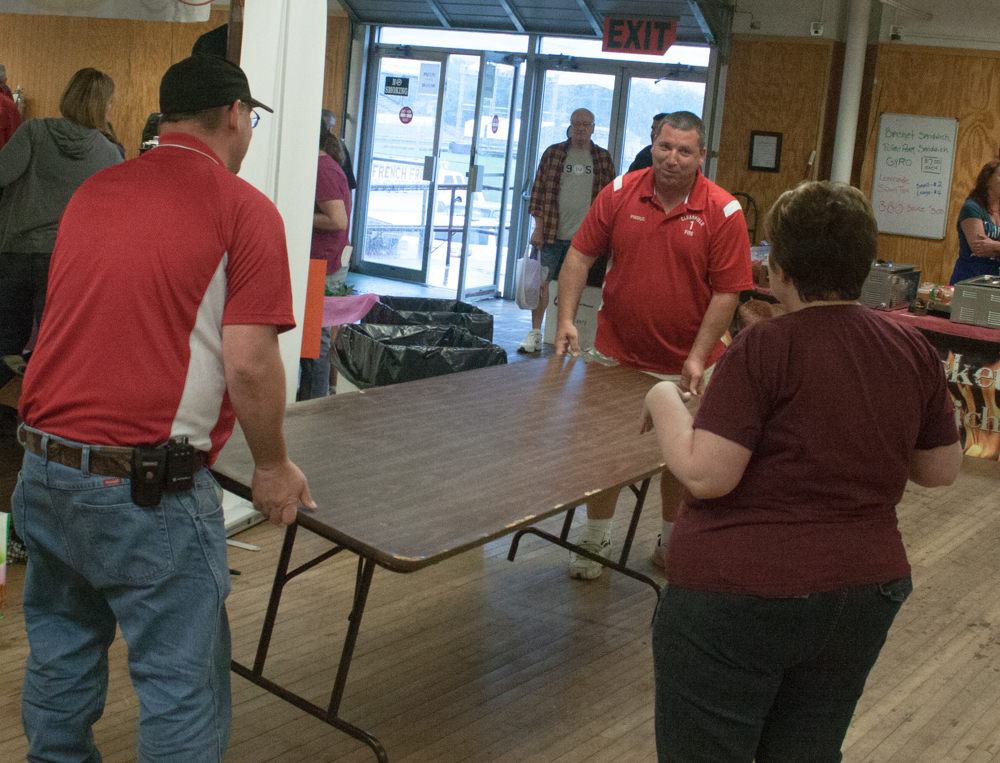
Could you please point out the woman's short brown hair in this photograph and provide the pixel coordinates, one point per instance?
(824, 238)
(86, 97)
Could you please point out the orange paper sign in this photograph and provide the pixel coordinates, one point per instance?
(312, 322)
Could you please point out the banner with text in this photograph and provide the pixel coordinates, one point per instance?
(972, 368)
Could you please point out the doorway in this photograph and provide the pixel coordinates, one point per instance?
(434, 208)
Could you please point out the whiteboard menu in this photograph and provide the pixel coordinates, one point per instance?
(913, 166)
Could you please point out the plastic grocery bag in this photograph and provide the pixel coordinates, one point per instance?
(528, 276)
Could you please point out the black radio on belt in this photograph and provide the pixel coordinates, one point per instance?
(169, 468)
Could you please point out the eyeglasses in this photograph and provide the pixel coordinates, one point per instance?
(254, 118)
(582, 124)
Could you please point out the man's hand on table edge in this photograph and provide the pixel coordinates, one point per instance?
(277, 490)
(567, 340)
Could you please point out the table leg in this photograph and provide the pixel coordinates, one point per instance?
(329, 715)
(560, 540)
(280, 578)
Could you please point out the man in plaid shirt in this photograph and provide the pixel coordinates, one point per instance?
(569, 177)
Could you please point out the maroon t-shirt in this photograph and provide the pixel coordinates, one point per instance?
(832, 401)
(331, 185)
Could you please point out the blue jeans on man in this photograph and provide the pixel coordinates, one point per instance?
(96, 560)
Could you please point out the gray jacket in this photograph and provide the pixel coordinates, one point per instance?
(41, 166)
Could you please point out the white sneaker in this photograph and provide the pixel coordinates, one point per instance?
(659, 555)
(582, 568)
(532, 342)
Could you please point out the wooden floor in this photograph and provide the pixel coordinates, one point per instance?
(479, 659)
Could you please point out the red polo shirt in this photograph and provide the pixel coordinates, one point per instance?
(664, 267)
(153, 258)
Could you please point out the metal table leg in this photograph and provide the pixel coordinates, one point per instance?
(329, 715)
(561, 539)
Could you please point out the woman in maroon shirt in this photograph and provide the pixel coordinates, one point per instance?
(786, 567)
(331, 220)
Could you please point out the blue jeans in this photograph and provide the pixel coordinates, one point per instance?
(96, 559)
(314, 379)
(772, 680)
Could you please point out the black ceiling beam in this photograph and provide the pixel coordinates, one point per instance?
(515, 17)
(439, 12)
(351, 13)
(699, 16)
(595, 21)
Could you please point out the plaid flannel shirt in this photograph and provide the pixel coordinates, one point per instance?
(544, 203)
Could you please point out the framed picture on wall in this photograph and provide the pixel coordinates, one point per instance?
(765, 151)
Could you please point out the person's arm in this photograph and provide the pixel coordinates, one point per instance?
(936, 467)
(980, 244)
(15, 156)
(255, 380)
(714, 323)
(332, 215)
(572, 281)
(708, 465)
(536, 239)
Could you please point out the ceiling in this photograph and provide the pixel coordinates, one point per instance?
(699, 21)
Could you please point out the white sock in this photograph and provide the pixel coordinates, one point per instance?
(598, 528)
(665, 530)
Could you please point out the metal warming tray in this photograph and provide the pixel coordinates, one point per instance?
(890, 285)
(977, 302)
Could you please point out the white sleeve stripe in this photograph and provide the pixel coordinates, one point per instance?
(618, 182)
(731, 207)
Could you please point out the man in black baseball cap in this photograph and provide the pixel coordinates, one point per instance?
(183, 267)
(207, 93)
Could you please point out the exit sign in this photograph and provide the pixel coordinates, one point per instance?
(650, 37)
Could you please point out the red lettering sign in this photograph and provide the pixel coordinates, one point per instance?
(405, 115)
(496, 124)
(650, 37)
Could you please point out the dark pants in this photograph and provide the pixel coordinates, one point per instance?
(772, 680)
(23, 278)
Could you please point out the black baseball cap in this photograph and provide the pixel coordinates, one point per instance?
(204, 82)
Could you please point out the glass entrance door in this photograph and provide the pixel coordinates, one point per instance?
(396, 196)
(493, 146)
(441, 145)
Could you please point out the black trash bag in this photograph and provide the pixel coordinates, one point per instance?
(420, 311)
(373, 355)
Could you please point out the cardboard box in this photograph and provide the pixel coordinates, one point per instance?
(586, 315)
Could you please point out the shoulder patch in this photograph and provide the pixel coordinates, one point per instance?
(733, 206)
(618, 182)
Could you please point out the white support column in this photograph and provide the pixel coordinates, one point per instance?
(284, 57)
(850, 90)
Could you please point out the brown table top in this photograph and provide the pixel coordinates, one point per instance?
(413, 473)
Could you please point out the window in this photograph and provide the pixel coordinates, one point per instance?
(450, 38)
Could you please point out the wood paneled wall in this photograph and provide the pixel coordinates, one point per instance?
(940, 82)
(337, 41)
(41, 53)
(789, 85)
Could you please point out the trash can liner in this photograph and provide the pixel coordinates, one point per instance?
(374, 355)
(421, 311)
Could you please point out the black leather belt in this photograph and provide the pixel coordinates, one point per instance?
(109, 461)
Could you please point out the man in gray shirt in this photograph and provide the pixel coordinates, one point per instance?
(569, 177)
